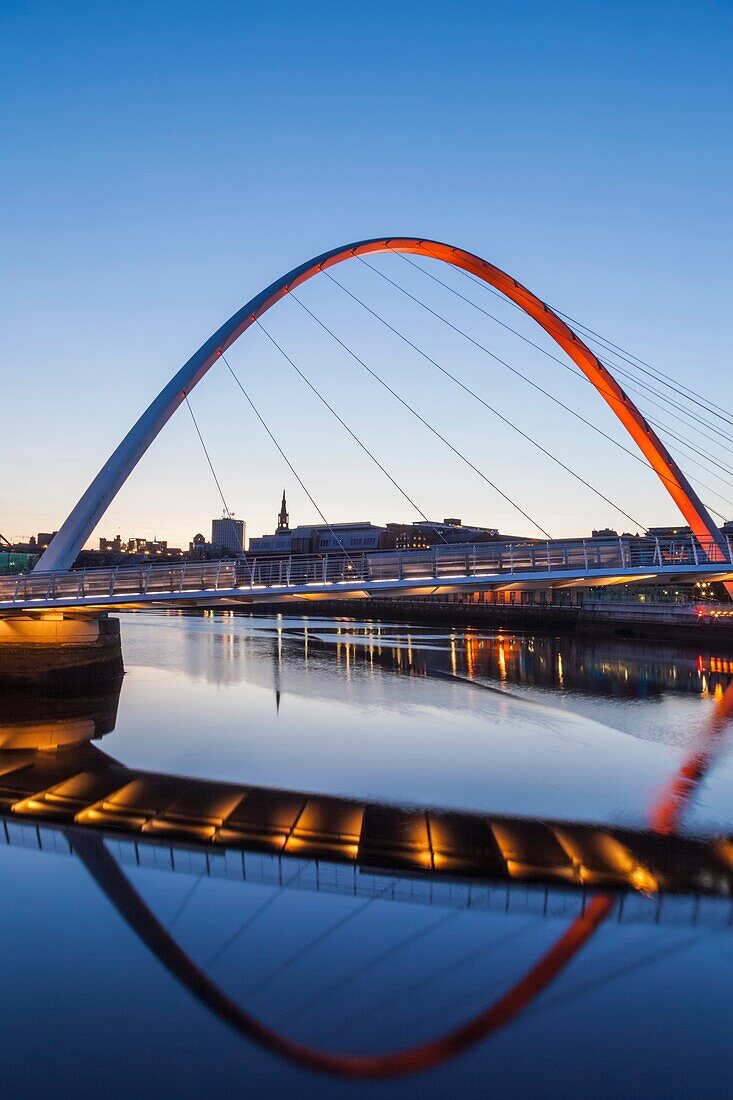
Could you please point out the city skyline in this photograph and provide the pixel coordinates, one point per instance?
(42, 539)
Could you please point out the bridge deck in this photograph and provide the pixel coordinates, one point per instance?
(481, 567)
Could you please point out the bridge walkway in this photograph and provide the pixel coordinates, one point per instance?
(578, 562)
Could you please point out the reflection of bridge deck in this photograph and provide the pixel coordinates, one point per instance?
(325, 843)
(500, 566)
(511, 897)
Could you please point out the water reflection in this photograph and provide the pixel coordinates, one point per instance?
(570, 663)
(360, 937)
(30, 719)
(284, 691)
(82, 786)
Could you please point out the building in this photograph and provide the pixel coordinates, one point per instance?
(323, 538)
(140, 547)
(320, 538)
(362, 536)
(678, 532)
(151, 548)
(16, 561)
(422, 535)
(45, 538)
(111, 546)
(201, 550)
(283, 519)
(115, 552)
(349, 537)
(228, 533)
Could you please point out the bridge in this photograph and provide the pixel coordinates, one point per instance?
(547, 564)
(80, 802)
(483, 567)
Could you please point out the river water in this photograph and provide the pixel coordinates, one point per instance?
(533, 727)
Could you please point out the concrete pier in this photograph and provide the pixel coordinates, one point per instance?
(54, 649)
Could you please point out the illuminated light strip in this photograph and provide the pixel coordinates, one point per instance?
(612, 853)
(484, 844)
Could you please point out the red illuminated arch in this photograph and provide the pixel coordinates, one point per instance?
(91, 507)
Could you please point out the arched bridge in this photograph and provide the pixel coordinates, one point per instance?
(706, 554)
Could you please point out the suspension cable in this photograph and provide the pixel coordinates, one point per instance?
(674, 404)
(653, 372)
(724, 442)
(208, 459)
(353, 434)
(514, 370)
(704, 485)
(633, 360)
(572, 368)
(682, 440)
(509, 367)
(285, 458)
(416, 414)
(485, 403)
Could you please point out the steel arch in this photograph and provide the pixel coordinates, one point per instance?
(93, 504)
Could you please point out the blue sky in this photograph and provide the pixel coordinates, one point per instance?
(165, 161)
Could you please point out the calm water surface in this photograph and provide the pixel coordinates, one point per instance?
(534, 727)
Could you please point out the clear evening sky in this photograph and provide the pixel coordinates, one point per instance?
(162, 162)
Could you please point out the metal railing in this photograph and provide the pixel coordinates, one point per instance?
(441, 564)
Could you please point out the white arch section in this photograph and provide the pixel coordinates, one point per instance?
(87, 513)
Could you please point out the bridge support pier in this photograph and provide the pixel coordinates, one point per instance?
(52, 649)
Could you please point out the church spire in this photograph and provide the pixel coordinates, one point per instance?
(283, 520)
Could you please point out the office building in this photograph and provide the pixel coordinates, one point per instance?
(228, 534)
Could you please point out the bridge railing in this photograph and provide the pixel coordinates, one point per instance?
(443, 563)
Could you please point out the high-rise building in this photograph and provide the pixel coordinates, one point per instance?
(228, 533)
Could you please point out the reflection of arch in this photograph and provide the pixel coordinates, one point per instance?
(113, 882)
(95, 501)
(102, 866)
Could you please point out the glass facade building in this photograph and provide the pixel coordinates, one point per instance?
(13, 561)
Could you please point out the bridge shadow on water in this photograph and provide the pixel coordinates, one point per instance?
(543, 888)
